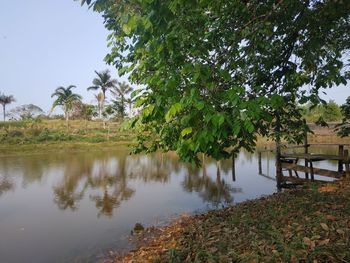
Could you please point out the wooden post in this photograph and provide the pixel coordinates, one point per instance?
(218, 169)
(279, 174)
(259, 163)
(341, 156)
(203, 164)
(233, 169)
(306, 151)
(347, 166)
(268, 163)
(312, 171)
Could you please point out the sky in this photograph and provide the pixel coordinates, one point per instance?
(49, 43)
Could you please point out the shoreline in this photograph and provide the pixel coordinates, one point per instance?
(61, 147)
(310, 224)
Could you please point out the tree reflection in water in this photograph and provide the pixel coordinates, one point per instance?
(5, 185)
(216, 192)
(106, 177)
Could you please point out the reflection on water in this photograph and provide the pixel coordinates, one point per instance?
(64, 207)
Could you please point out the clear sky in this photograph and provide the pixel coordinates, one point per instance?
(49, 43)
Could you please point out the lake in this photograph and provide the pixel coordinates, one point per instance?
(76, 207)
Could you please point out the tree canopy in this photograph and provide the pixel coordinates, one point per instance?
(216, 74)
(102, 82)
(25, 112)
(65, 98)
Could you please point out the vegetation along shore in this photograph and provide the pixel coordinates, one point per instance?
(310, 224)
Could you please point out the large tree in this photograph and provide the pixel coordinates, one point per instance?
(65, 98)
(218, 73)
(4, 101)
(102, 82)
(25, 112)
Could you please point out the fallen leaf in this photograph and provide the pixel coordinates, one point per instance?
(324, 227)
(323, 242)
(331, 218)
(309, 242)
(340, 231)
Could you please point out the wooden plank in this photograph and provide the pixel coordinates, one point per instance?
(310, 156)
(288, 146)
(341, 156)
(329, 144)
(306, 151)
(300, 180)
(294, 146)
(318, 171)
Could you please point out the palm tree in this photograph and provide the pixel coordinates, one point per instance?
(65, 99)
(130, 101)
(121, 91)
(103, 82)
(100, 103)
(4, 100)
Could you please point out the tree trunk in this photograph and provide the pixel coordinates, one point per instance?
(130, 113)
(3, 107)
(100, 110)
(67, 120)
(103, 102)
(123, 109)
(279, 175)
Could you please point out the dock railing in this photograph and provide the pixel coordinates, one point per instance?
(289, 161)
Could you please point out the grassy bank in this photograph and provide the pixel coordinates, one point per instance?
(55, 131)
(305, 225)
(41, 133)
(28, 137)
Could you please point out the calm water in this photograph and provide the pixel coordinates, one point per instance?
(76, 207)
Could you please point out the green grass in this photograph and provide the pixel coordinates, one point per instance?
(53, 135)
(54, 131)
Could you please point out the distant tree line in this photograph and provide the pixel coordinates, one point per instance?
(72, 105)
(327, 112)
(74, 108)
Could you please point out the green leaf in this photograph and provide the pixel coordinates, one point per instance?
(218, 120)
(174, 109)
(186, 131)
(200, 105)
(126, 29)
(135, 93)
(148, 110)
(248, 125)
(130, 25)
(236, 128)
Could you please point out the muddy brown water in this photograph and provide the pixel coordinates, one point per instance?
(76, 207)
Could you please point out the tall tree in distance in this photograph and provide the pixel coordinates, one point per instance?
(65, 98)
(4, 101)
(120, 92)
(102, 82)
(26, 112)
(130, 102)
(100, 103)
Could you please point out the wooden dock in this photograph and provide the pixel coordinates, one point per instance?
(303, 162)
